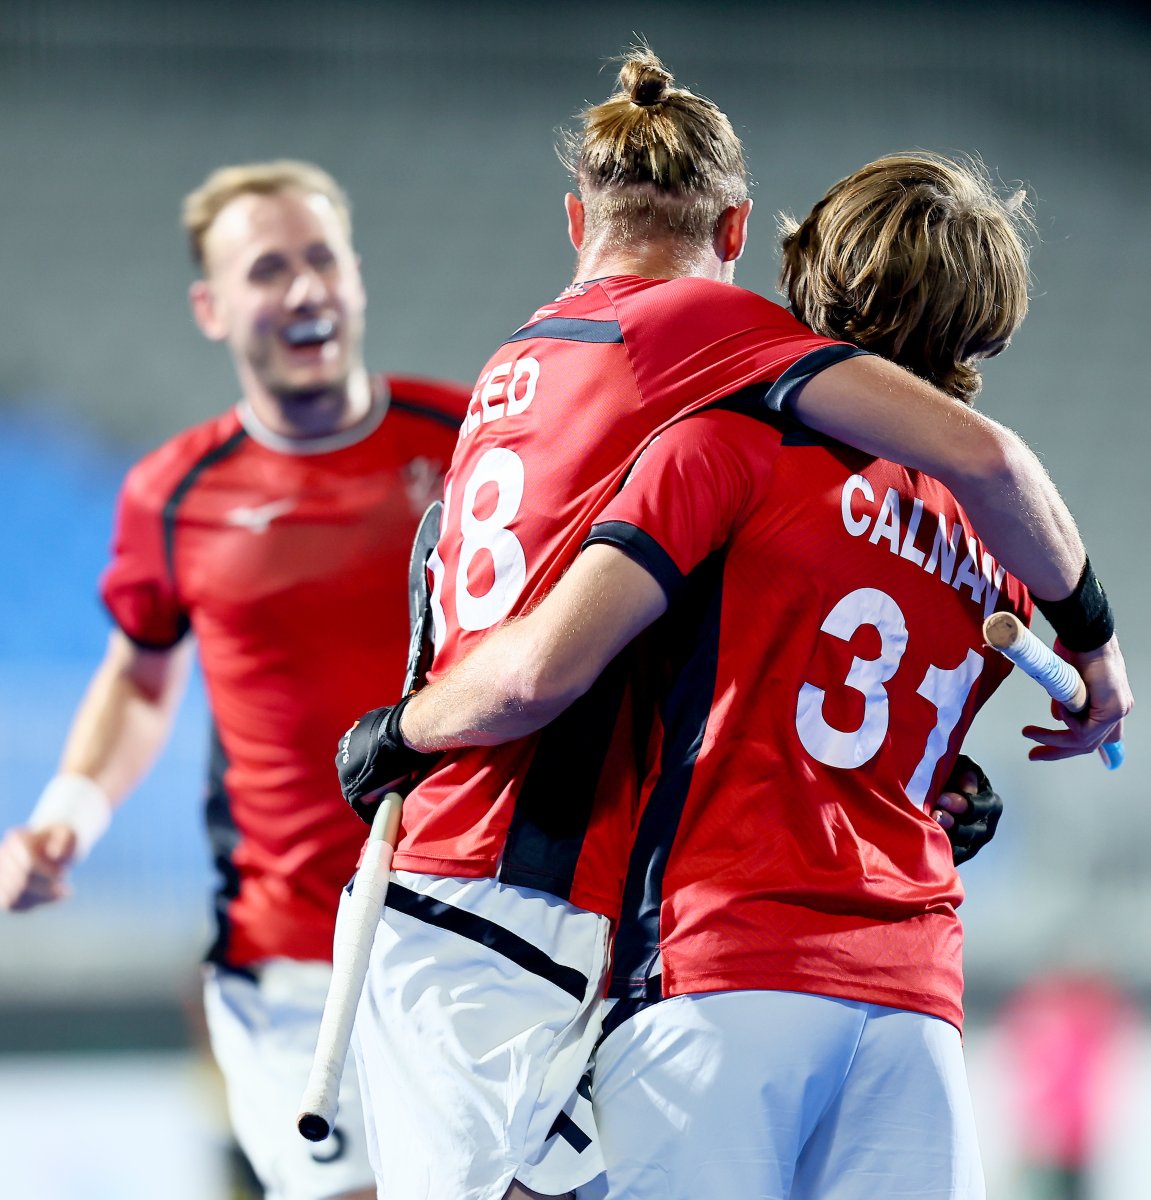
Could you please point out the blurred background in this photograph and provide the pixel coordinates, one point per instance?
(439, 119)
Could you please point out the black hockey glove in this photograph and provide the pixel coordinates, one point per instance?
(975, 827)
(372, 759)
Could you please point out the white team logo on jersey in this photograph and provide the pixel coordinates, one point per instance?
(423, 482)
(258, 519)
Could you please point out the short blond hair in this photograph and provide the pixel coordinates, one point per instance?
(918, 258)
(202, 206)
(654, 159)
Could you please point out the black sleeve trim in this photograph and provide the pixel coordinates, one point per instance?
(182, 629)
(782, 394)
(185, 626)
(770, 401)
(642, 549)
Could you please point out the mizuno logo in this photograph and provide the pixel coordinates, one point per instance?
(258, 519)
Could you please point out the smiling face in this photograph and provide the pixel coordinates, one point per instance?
(282, 287)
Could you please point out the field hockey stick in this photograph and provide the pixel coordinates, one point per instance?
(356, 928)
(351, 948)
(1006, 633)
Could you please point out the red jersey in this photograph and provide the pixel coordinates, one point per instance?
(555, 420)
(825, 649)
(289, 563)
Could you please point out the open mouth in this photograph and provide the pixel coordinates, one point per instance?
(312, 332)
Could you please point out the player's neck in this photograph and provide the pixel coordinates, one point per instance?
(302, 415)
(653, 260)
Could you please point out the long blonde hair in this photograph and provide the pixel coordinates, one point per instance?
(654, 160)
(202, 206)
(918, 258)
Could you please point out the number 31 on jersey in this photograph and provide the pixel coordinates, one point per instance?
(946, 690)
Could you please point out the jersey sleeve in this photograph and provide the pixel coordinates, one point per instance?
(137, 586)
(685, 495)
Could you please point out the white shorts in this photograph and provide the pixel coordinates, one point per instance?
(263, 1035)
(783, 1096)
(478, 1016)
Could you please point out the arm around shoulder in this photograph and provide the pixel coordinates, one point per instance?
(882, 409)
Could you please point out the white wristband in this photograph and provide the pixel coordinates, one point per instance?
(76, 801)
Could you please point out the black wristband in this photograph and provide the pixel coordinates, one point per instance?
(1084, 620)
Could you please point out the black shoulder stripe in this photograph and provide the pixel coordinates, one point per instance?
(570, 329)
(642, 549)
(487, 933)
(426, 411)
(172, 505)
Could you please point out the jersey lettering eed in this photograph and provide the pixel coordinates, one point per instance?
(290, 568)
(825, 657)
(554, 422)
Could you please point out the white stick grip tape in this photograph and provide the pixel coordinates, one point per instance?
(351, 949)
(1013, 639)
(1006, 633)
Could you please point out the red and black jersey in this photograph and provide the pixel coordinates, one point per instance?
(289, 563)
(556, 418)
(824, 658)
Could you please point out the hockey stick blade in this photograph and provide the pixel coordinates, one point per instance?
(420, 646)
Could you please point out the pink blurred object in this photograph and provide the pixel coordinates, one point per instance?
(1067, 1038)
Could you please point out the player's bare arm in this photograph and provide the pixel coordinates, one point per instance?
(528, 671)
(120, 726)
(994, 475)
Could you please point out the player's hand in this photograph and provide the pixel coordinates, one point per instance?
(34, 866)
(373, 759)
(1109, 701)
(968, 809)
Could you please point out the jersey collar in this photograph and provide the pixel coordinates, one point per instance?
(259, 432)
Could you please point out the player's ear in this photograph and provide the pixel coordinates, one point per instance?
(205, 311)
(575, 211)
(731, 231)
